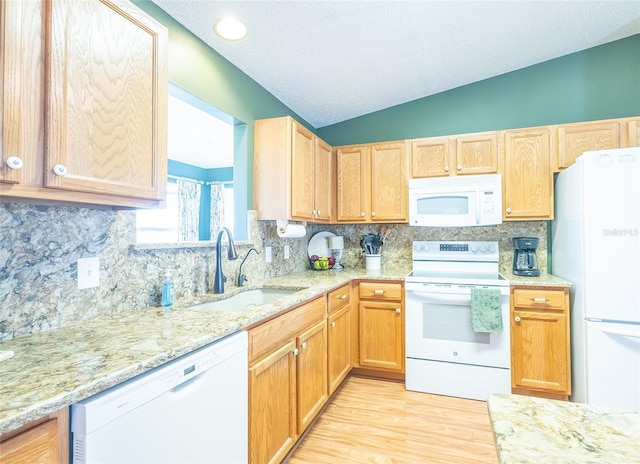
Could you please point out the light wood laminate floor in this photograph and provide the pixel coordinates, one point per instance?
(378, 421)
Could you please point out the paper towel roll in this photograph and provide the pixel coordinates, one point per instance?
(292, 231)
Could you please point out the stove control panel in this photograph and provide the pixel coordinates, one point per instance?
(428, 250)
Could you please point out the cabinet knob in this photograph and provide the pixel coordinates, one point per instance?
(459, 168)
(517, 318)
(508, 210)
(446, 169)
(398, 310)
(60, 170)
(373, 214)
(362, 214)
(304, 345)
(342, 297)
(333, 324)
(296, 351)
(317, 212)
(14, 162)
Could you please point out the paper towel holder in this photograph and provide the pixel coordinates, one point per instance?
(290, 230)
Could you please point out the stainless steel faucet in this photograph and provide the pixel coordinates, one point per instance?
(219, 279)
(241, 277)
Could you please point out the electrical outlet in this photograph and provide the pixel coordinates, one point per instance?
(286, 252)
(267, 254)
(88, 273)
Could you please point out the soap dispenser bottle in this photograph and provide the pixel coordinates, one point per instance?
(167, 289)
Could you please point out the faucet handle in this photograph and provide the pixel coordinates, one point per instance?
(241, 280)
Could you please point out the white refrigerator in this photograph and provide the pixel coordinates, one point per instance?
(596, 246)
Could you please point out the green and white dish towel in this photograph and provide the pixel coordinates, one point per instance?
(486, 313)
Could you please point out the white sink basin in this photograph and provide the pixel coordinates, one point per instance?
(245, 300)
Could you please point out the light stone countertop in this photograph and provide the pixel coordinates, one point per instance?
(544, 280)
(51, 370)
(532, 430)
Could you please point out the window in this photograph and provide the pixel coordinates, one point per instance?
(159, 225)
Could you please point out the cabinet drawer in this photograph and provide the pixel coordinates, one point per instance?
(338, 298)
(273, 332)
(540, 299)
(380, 291)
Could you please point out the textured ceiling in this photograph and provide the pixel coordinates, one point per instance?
(330, 61)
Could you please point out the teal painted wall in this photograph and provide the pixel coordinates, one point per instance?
(198, 69)
(599, 83)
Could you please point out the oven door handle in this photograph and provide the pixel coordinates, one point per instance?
(447, 298)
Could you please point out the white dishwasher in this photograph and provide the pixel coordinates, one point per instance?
(193, 409)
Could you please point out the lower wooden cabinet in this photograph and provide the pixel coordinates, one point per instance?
(287, 379)
(339, 327)
(381, 326)
(46, 442)
(540, 342)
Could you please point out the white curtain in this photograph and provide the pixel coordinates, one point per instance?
(217, 208)
(188, 210)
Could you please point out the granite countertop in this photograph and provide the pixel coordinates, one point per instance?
(51, 370)
(531, 430)
(544, 280)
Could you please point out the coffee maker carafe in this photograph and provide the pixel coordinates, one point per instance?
(525, 262)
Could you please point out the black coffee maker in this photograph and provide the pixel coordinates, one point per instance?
(525, 262)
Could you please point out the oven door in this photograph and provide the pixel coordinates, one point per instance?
(438, 327)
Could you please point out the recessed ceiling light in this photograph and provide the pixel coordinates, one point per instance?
(230, 29)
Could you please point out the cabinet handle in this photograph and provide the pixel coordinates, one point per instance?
(342, 297)
(517, 318)
(304, 345)
(333, 324)
(13, 162)
(373, 214)
(446, 169)
(296, 351)
(398, 310)
(362, 214)
(508, 210)
(539, 300)
(378, 292)
(60, 170)
(317, 212)
(459, 168)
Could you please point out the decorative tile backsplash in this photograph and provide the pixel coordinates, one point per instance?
(40, 247)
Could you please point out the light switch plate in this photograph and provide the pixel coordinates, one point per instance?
(267, 254)
(88, 272)
(286, 252)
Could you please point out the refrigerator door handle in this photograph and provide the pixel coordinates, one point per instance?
(622, 333)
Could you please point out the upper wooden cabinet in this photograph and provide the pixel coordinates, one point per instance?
(527, 179)
(477, 153)
(574, 139)
(632, 127)
(455, 155)
(372, 183)
(292, 172)
(103, 101)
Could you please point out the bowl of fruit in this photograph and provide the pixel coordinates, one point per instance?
(321, 263)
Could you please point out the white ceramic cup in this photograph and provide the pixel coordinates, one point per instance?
(373, 262)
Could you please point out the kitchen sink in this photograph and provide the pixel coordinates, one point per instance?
(245, 300)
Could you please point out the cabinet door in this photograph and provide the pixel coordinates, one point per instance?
(38, 445)
(430, 157)
(352, 188)
(527, 179)
(323, 182)
(633, 130)
(272, 406)
(302, 173)
(381, 334)
(389, 183)
(539, 347)
(477, 153)
(338, 347)
(312, 373)
(22, 93)
(106, 100)
(575, 139)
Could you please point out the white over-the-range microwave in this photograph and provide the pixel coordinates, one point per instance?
(457, 201)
